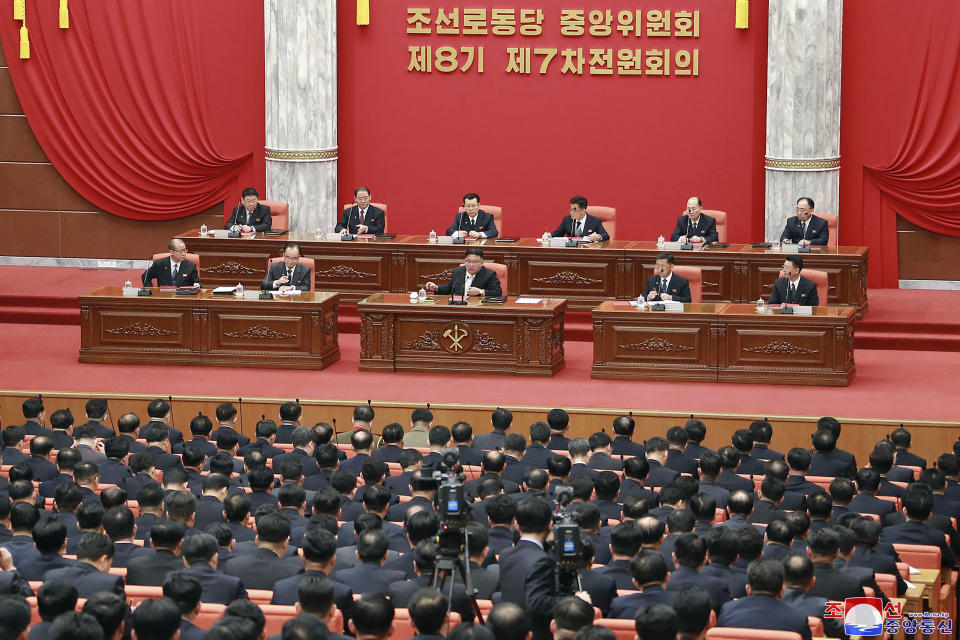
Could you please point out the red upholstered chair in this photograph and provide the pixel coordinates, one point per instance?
(192, 257)
(695, 276)
(924, 556)
(832, 225)
(279, 213)
(623, 629)
(816, 626)
(820, 279)
(607, 215)
(736, 633)
(307, 262)
(721, 218)
(495, 211)
(379, 205)
(501, 271)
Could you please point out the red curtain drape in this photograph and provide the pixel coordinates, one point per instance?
(117, 103)
(924, 176)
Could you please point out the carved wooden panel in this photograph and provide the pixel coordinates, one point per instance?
(219, 268)
(262, 331)
(340, 270)
(115, 327)
(649, 347)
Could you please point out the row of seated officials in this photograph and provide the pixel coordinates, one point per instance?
(654, 517)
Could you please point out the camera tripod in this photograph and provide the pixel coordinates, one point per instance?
(452, 545)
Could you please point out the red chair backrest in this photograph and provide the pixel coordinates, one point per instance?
(501, 271)
(607, 215)
(832, 225)
(192, 257)
(820, 279)
(623, 629)
(920, 556)
(736, 633)
(721, 218)
(279, 213)
(379, 205)
(495, 211)
(310, 263)
(816, 626)
(695, 276)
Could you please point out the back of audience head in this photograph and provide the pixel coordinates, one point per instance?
(156, 619)
(509, 621)
(656, 622)
(56, 597)
(74, 625)
(694, 610)
(109, 610)
(372, 615)
(569, 616)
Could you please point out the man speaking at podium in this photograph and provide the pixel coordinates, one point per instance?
(473, 279)
(175, 271)
(794, 288)
(249, 215)
(664, 284)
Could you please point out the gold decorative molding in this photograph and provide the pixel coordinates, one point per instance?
(792, 164)
(291, 155)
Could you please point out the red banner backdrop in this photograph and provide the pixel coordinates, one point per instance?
(528, 141)
(150, 110)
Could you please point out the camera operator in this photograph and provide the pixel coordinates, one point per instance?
(527, 571)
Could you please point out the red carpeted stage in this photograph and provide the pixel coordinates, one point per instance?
(38, 305)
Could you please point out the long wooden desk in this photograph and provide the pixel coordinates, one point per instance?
(584, 276)
(724, 343)
(296, 332)
(508, 338)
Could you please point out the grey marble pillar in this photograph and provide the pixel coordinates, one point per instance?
(301, 109)
(803, 108)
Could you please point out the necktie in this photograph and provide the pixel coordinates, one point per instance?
(663, 285)
(289, 276)
(248, 218)
(176, 269)
(362, 212)
(792, 293)
(580, 228)
(803, 235)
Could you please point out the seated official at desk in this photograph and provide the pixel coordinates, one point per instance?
(694, 225)
(579, 224)
(473, 279)
(175, 271)
(289, 274)
(362, 217)
(664, 284)
(474, 222)
(805, 228)
(794, 288)
(249, 215)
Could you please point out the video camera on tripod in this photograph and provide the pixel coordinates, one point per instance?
(567, 544)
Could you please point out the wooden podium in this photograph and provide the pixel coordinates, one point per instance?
(724, 343)
(508, 338)
(295, 332)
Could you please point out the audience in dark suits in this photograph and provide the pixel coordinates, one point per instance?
(90, 573)
(763, 608)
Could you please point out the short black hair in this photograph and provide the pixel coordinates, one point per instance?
(49, 534)
(438, 435)
(249, 191)
(692, 606)
(427, 610)
(690, 550)
(108, 609)
(94, 546)
(558, 419)
(183, 589)
(167, 534)
(798, 459)
(656, 622)
(765, 576)
(373, 614)
(580, 201)
(918, 502)
(156, 619)
(809, 202)
(363, 413)
(665, 255)
(419, 415)
(55, 597)
(572, 614)
(501, 419)
(61, 419)
(624, 426)
(32, 407)
(74, 625)
(473, 251)
(533, 515)
(318, 545)
(200, 547)
(796, 260)
(273, 528)
(118, 522)
(315, 594)
(762, 431)
(509, 621)
(371, 545)
(158, 408)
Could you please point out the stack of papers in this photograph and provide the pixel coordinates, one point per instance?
(225, 290)
(529, 300)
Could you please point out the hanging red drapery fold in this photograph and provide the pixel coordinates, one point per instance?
(117, 104)
(924, 176)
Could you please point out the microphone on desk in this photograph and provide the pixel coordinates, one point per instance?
(457, 238)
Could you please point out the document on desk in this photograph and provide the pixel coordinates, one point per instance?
(225, 290)
(529, 300)
(290, 292)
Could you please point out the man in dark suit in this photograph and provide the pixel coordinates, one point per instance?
(200, 556)
(805, 228)
(118, 522)
(866, 501)
(763, 608)
(676, 453)
(537, 453)
(43, 469)
(624, 543)
(659, 475)
(61, 422)
(34, 413)
(67, 461)
(304, 444)
(473, 222)
(723, 544)
(266, 432)
(174, 271)
(798, 578)
(424, 562)
(901, 440)
(50, 538)
(709, 465)
(472, 279)
(288, 274)
(822, 462)
(370, 575)
(114, 469)
(580, 224)
(200, 428)
(665, 285)
(799, 462)
(514, 468)
(822, 547)
(689, 555)
(462, 434)
(186, 592)
(362, 217)
(428, 613)
(501, 419)
(23, 517)
(90, 574)
(866, 552)
(166, 537)
(158, 446)
(317, 553)
(493, 464)
(762, 434)
(527, 570)
(249, 215)
(623, 445)
(209, 507)
(127, 426)
(918, 505)
(601, 448)
(793, 288)
(97, 415)
(227, 420)
(160, 413)
(648, 572)
(270, 562)
(13, 439)
(694, 225)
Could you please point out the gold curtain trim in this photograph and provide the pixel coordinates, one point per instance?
(280, 154)
(803, 165)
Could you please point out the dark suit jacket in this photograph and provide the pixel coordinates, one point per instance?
(678, 288)
(209, 511)
(602, 462)
(132, 444)
(133, 484)
(625, 607)
(866, 503)
(718, 589)
(762, 451)
(619, 572)
(22, 549)
(263, 568)
(114, 472)
(624, 446)
(833, 584)
(822, 464)
(301, 276)
(42, 469)
(401, 591)
(736, 580)
(145, 523)
(813, 607)
(13, 456)
(173, 434)
(705, 227)
(912, 532)
(40, 630)
(485, 224)
(374, 219)
(164, 459)
(242, 440)
(536, 455)
(309, 463)
(369, 578)
(764, 612)
(34, 428)
(602, 589)
(630, 487)
(765, 512)
(681, 463)
(34, 567)
(818, 230)
(879, 563)
(591, 224)
(190, 631)
(61, 439)
(489, 441)
(581, 469)
(485, 279)
(160, 271)
(905, 458)
(659, 475)
(126, 551)
(217, 587)
(13, 583)
(806, 292)
(260, 217)
(151, 570)
(285, 591)
(527, 579)
(88, 580)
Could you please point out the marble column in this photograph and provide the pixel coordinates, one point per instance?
(803, 108)
(301, 109)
